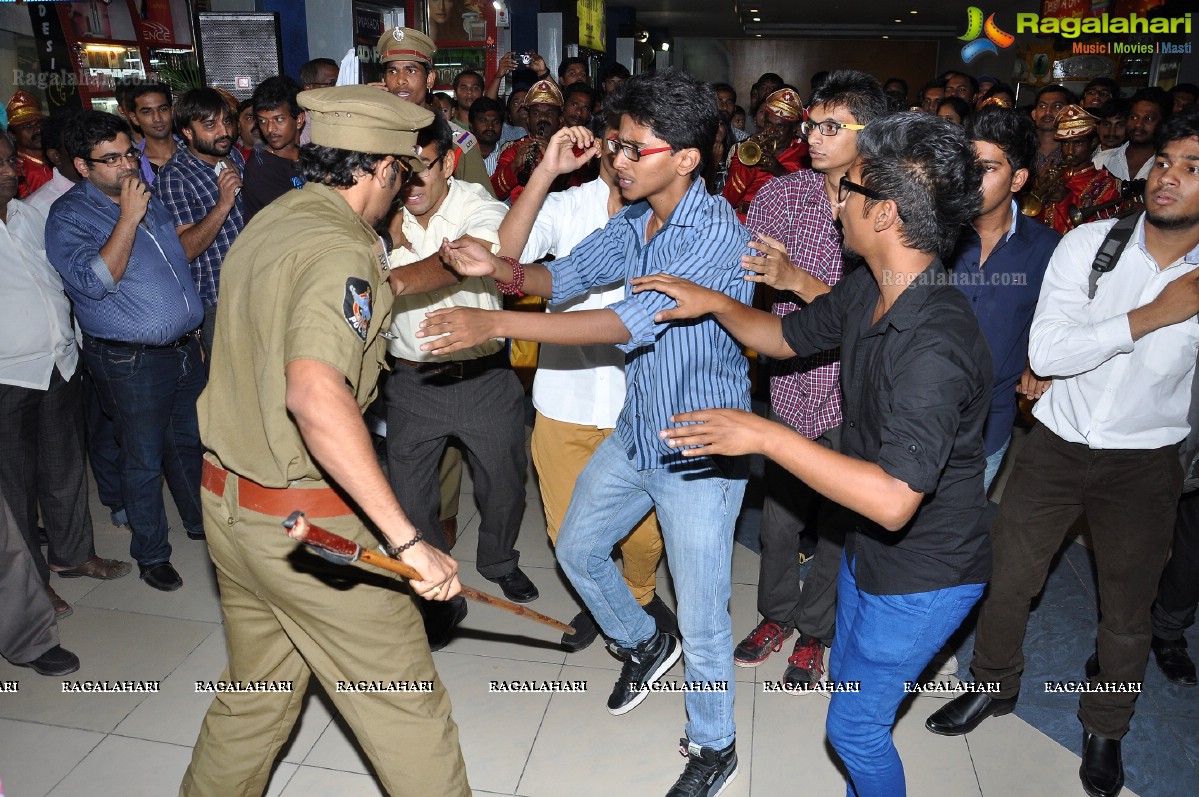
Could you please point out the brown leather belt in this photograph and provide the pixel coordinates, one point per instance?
(458, 369)
(278, 502)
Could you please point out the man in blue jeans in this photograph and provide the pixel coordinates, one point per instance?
(125, 271)
(671, 224)
(916, 385)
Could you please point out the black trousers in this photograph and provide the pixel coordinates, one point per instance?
(485, 412)
(1178, 592)
(43, 466)
(812, 607)
(1129, 498)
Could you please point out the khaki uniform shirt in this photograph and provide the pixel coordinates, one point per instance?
(302, 282)
(467, 210)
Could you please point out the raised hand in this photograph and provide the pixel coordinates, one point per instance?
(135, 198)
(569, 149)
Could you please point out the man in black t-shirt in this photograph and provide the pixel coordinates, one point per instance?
(916, 386)
(274, 169)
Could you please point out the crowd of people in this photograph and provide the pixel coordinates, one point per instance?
(213, 292)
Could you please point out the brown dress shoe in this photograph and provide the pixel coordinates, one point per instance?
(104, 569)
(61, 608)
(449, 527)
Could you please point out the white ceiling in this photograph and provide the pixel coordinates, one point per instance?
(833, 18)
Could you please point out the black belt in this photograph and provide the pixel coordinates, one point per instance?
(174, 344)
(458, 369)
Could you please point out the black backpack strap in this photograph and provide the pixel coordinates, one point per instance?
(1111, 249)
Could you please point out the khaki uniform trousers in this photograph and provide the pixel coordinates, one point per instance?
(560, 452)
(289, 614)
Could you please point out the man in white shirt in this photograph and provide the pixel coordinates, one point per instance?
(1107, 447)
(1148, 109)
(41, 401)
(433, 398)
(579, 390)
(65, 175)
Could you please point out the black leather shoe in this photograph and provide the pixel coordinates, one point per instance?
(161, 576)
(585, 632)
(517, 587)
(1174, 661)
(197, 535)
(1102, 771)
(964, 714)
(441, 618)
(55, 661)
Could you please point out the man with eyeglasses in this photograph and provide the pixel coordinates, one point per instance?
(299, 349)
(1099, 91)
(201, 186)
(670, 225)
(433, 398)
(916, 377)
(782, 152)
(798, 253)
(127, 275)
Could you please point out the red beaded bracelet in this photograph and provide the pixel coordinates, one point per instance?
(518, 278)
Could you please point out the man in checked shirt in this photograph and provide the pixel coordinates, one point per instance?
(794, 218)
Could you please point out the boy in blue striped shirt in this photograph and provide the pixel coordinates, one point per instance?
(673, 226)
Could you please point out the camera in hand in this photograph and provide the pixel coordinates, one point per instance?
(524, 59)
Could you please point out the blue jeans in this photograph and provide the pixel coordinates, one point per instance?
(151, 397)
(882, 642)
(697, 505)
(993, 463)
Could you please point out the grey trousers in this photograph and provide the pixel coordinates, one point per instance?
(812, 608)
(485, 412)
(43, 467)
(27, 625)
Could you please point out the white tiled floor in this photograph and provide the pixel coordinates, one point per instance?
(564, 745)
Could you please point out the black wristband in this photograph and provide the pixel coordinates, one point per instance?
(394, 552)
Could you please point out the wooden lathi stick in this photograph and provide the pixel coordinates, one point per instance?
(338, 549)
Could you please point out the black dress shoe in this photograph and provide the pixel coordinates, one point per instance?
(1102, 771)
(55, 661)
(197, 535)
(585, 632)
(517, 587)
(441, 618)
(964, 714)
(161, 576)
(1174, 661)
(666, 620)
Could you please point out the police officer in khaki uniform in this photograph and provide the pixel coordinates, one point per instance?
(296, 359)
(407, 58)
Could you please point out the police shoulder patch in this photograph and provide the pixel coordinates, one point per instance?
(357, 306)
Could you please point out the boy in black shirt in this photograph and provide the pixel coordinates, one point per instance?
(274, 169)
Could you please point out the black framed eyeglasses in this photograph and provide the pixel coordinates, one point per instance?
(829, 127)
(631, 152)
(431, 165)
(134, 155)
(847, 186)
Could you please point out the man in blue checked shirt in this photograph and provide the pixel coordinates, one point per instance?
(201, 187)
(671, 225)
(126, 273)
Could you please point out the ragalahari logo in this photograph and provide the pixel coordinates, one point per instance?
(975, 27)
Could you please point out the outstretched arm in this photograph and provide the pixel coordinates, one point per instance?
(453, 328)
(758, 330)
(861, 486)
(469, 258)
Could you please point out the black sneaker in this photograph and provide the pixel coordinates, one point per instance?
(643, 665)
(707, 772)
(665, 619)
(767, 638)
(805, 665)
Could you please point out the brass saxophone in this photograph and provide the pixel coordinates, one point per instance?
(1032, 202)
(755, 149)
(1132, 193)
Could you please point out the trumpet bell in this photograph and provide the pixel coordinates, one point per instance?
(749, 152)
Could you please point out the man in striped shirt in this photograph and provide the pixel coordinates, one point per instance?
(671, 225)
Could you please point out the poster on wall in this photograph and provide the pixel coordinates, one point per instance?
(454, 21)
